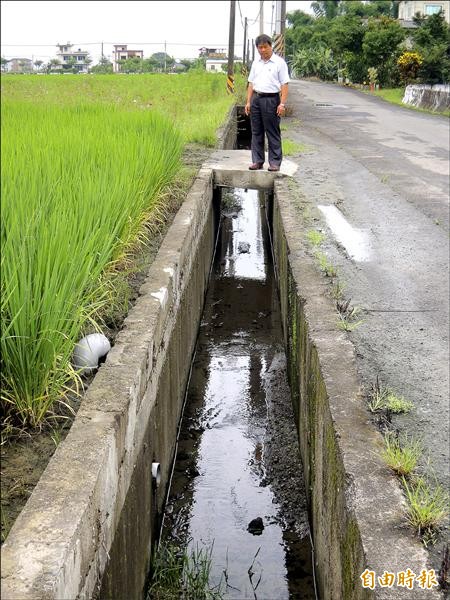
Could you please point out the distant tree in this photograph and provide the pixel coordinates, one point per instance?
(103, 67)
(38, 64)
(432, 30)
(52, 63)
(345, 35)
(4, 62)
(198, 64)
(163, 61)
(381, 48)
(132, 65)
(298, 18)
(382, 7)
(326, 8)
(432, 41)
(188, 64)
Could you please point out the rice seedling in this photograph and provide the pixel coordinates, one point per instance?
(401, 453)
(427, 507)
(71, 205)
(85, 162)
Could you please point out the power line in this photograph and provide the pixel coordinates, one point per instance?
(240, 13)
(257, 16)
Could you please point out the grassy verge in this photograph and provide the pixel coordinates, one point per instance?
(395, 96)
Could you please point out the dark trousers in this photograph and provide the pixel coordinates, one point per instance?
(264, 120)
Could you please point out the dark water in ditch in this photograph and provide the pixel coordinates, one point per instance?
(237, 456)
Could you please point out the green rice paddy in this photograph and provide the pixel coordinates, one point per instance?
(85, 160)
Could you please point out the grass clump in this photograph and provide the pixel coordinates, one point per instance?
(427, 507)
(181, 574)
(326, 267)
(401, 454)
(290, 147)
(315, 237)
(384, 399)
(397, 404)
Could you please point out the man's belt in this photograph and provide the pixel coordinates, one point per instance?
(264, 94)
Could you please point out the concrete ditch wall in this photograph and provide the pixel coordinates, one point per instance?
(356, 506)
(89, 520)
(434, 97)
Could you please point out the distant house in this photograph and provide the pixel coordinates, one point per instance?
(407, 10)
(121, 52)
(215, 64)
(212, 53)
(69, 58)
(19, 65)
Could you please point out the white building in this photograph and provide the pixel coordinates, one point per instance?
(215, 64)
(66, 56)
(407, 10)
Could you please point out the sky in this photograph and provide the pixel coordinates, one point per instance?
(32, 29)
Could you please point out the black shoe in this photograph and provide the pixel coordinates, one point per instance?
(256, 166)
(273, 168)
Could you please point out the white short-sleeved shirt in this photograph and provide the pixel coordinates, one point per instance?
(268, 77)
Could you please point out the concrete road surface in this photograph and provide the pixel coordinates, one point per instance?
(377, 176)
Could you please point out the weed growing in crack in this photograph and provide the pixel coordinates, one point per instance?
(401, 453)
(348, 315)
(315, 237)
(337, 291)
(384, 399)
(327, 268)
(427, 507)
(398, 404)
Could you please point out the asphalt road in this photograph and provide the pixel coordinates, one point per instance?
(377, 176)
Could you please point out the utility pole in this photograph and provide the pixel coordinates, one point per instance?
(244, 62)
(102, 53)
(280, 27)
(165, 56)
(261, 17)
(230, 70)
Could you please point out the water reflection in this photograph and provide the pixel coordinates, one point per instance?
(221, 480)
(354, 240)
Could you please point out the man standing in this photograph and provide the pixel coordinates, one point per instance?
(266, 98)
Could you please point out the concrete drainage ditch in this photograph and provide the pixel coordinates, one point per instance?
(88, 528)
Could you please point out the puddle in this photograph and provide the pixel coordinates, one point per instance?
(354, 240)
(237, 488)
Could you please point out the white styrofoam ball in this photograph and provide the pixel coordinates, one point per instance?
(88, 352)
